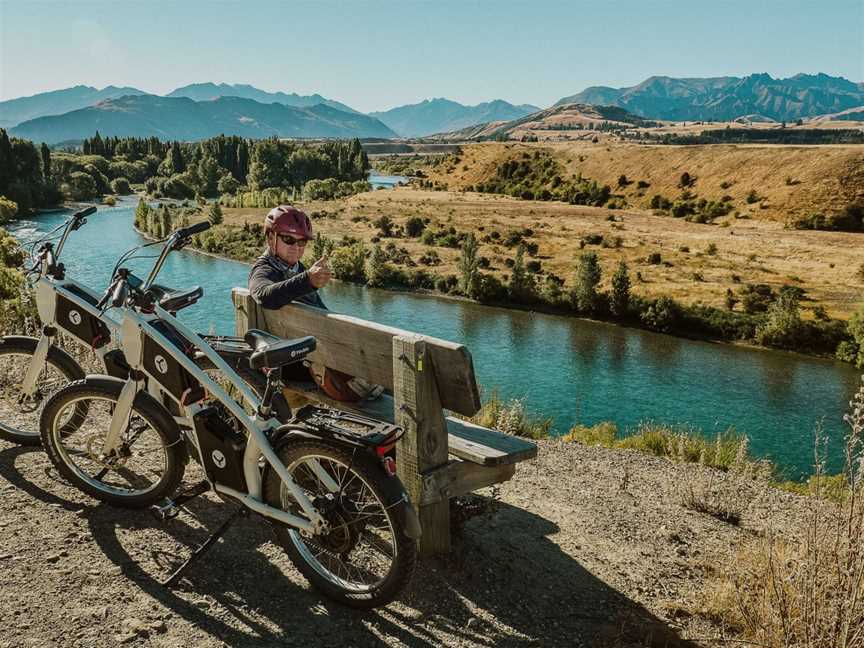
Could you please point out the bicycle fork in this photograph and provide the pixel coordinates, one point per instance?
(37, 364)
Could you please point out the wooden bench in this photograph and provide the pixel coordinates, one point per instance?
(439, 456)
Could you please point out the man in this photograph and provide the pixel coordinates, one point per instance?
(278, 277)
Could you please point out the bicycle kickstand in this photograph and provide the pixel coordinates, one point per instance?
(200, 551)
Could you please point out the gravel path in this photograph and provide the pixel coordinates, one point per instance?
(585, 547)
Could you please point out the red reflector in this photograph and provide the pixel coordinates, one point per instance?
(384, 449)
(389, 464)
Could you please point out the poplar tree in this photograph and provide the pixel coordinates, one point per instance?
(620, 290)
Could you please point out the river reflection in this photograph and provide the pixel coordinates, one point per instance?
(569, 369)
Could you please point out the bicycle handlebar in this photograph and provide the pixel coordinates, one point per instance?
(192, 230)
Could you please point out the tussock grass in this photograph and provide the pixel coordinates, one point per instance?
(510, 417)
(804, 588)
(678, 443)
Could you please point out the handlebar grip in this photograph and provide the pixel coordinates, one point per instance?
(87, 211)
(119, 294)
(197, 228)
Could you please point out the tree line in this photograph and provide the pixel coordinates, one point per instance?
(34, 177)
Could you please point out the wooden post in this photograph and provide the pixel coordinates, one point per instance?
(245, 313)
(417, 408)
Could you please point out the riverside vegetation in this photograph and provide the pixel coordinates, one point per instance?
(248, 175)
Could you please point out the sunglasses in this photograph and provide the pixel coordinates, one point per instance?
(290, 240)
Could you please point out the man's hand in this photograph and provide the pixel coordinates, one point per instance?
(319, 273)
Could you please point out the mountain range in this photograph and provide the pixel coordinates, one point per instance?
(442, 115)
(181, 118)
(57, 102)
(209, 108)
(727, 98)
(208, 91)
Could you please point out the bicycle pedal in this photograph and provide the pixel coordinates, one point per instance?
(167, 511)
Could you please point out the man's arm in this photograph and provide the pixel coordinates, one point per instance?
(271, 291)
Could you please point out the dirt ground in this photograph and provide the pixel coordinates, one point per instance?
(827, 265)
(584, 547)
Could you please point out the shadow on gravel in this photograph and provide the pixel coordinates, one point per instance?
(505, 584)
(9, 471)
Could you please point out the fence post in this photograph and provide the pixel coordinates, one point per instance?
(417, 408)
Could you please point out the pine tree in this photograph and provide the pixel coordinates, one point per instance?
(469, 267)
(7, 162)
(215, 215)
(584, 296)
(376, 267)
(142, 216)
(620, 290)
(46, 161)
(178, 165)
(521, 288)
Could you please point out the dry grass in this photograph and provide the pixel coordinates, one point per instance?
(750, 251)
(805, 589)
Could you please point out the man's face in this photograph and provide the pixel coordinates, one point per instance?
(287, 248)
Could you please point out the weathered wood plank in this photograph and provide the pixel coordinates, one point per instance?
(465, 440)
(423, 447)
(461, 477)
(362, 348)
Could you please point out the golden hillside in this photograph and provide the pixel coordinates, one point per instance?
(790, 181)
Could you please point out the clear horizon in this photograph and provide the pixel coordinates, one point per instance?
(374, 56)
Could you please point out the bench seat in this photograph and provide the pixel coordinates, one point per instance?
(466, 441)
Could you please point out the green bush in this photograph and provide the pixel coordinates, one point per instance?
(349, 263)
(661, 315)
(414, 227)
(80, 186)
(120, 186)
(8, 209)
(228, 184)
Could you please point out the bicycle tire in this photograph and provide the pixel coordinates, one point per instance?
(62, 441)
(347, 522)
(25, 429)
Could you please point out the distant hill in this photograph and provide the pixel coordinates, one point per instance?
(440, 115)
(57, 102)
(184, 119)
(207, 91)
(565, 117)
(727, 98)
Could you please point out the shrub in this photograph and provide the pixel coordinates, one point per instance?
(215, 214)
(349, 263)
(756, 298)
(783, 327)
(228, 184)
(80, 186)
(654, 258)
(120, 186)
(752, 197)
(385, 226)
(109, 200)
(711, 250)
(177, 186)
(662, 315)
(659, 202)
(620, 299)
(414, 226)
(8, 209)
(642, 184)
(511, 418)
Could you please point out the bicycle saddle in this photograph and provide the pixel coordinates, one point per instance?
(272, 351)
(174, 300)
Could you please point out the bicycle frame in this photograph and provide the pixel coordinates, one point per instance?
(138, 335)
(65, 305)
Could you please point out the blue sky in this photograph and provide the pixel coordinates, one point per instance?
(377, 55)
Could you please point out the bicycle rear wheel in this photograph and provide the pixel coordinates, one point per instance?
(364, 559)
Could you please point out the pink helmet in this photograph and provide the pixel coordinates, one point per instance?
(286, 219)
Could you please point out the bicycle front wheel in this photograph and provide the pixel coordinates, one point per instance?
(19, 414)
(146, 468)
(364, 559)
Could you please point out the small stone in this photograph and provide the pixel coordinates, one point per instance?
(53, 558)
(158, 626)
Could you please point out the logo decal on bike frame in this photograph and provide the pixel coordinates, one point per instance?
(219, 458)
(75, 317)
(161, 364)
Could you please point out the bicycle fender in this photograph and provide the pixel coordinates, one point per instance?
(408, 518)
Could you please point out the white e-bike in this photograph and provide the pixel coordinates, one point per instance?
(325, 480)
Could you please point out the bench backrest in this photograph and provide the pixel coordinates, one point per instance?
(363, 348)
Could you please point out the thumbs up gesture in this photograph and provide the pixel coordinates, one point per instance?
(319, 273)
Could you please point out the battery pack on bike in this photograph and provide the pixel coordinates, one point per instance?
(221, 448)
(162, 366)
